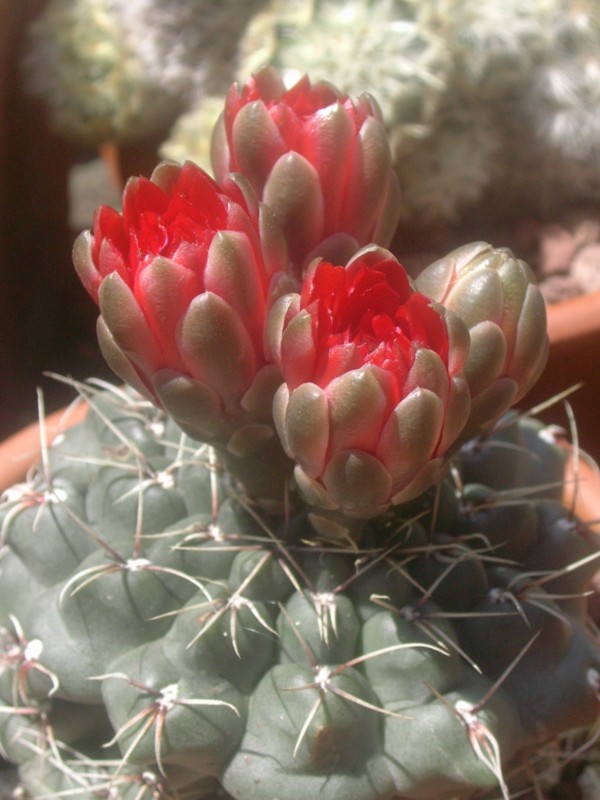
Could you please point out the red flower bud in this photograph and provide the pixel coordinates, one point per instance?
(181, 278)
(494, 294)
(373, 394)
(318, 158)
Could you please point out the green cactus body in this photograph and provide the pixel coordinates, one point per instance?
(162, 637)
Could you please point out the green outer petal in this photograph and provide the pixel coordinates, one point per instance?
(272, 241)
(313, 492)
(489, 405)
(371, 255)
(359, 483)
(249, 438)
(459, 340)
(164, 291)
(535, 370)
(236, 181)
(119, 363)
(328, 144)
(428, 372)
(307, 427)
(128, 325)
(217, 348)
(194, 406)
(256, 143)
(358, 406)
(293, 190)
(232, 273)
(436, 280)
(432, 473)
(298, 354)
(411, 435)
(458, 408)
(515, 283)
(259, 397)
(477, 296)
(284, 308)
(487, 356)
(84, 263)
(528, 357)
(389, 212)
(166, 175)
(220, 156)
(371, 168)
(280, 402)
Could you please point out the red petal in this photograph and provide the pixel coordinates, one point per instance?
(108, 224)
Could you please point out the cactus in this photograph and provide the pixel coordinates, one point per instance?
(310, 551)
(161, 634)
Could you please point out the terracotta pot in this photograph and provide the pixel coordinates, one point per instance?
(582, 490)
(574, 330)
(22, 449)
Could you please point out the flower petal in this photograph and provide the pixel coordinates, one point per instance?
(359, 483)
(216, 347)
(307, 427)
(312, 491)
(293, 191)
(411, 435)
(358, 407)
(487, 356)
(120, 364)
(298, 352)
(84, 264)
(256, 144)
(326, 140)
(194, 406)
(369, 171)
(528, 356)
(428, 372)
(164, 292)
(128, 325)
(232, 273)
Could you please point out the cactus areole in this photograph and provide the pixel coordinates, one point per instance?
(309, 551)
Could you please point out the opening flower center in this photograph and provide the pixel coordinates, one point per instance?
(374, 310)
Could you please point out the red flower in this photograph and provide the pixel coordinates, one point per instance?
(373, 394)
(319, 159)
(181, 279)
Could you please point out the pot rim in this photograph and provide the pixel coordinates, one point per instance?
(22, 449)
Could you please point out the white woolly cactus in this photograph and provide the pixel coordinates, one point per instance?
(82, 62)
(124, 69)
(563, 96)
(492, 45)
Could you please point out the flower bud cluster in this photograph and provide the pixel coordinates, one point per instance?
(263, 312)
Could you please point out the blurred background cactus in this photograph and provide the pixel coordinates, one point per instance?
(120, 71)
